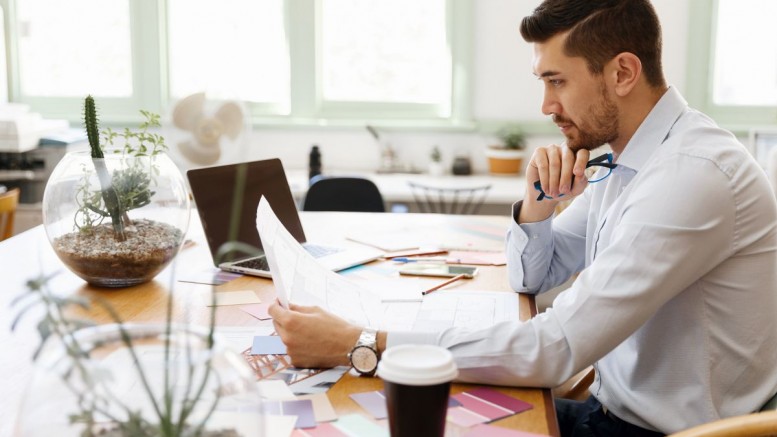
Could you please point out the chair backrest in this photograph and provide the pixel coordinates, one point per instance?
(8, 202)
(448, 200)
(343, 194)
(749, 425)
(771, 404)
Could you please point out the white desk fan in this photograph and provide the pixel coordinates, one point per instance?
(208, 132)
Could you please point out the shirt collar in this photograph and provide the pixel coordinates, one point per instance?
(653, 130)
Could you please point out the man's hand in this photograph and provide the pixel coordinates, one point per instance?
(314, 337)
(554, 166)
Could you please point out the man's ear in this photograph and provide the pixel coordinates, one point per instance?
(625, 69)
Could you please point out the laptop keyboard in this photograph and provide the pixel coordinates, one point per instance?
(319, 251)
(261, 262)
(254, 263)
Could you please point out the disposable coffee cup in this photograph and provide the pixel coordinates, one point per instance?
(417, 381)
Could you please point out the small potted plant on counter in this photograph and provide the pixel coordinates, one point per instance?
(506, 157)
(435, 162)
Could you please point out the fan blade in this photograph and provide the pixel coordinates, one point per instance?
(188, 110)
(208, 131)
(199, 154)
(231, 115)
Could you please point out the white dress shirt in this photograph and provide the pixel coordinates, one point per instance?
(676, 301)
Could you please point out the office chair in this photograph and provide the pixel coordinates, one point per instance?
(352, 194)
(8, 202)
(448, 200)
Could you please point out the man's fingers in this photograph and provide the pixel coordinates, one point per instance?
(540, 162)
(304, 309)
(554, 170)
(581, 159)
(567, 168)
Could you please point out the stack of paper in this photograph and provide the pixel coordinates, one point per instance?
(21, 130)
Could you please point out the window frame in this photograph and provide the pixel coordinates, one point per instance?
(149, 51)
(700, 74)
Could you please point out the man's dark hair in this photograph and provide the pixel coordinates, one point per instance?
(601, 29)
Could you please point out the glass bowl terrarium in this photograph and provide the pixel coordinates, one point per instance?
(117, 217)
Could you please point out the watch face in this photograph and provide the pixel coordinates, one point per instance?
(364, 359)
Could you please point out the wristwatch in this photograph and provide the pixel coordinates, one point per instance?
(364, 355)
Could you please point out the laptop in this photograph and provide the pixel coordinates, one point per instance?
(227, 197)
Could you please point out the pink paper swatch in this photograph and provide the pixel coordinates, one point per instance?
(483, 430)
(322, 430)
(463, 417)
(479, 406)
(258, 310)
(497, 398)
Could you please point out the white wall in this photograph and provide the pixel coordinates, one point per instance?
(504, 89)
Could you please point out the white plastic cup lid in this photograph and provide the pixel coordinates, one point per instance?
(412, 364)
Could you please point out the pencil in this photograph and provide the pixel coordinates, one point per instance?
(449, 281)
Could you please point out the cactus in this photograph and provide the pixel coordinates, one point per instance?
(113, 205)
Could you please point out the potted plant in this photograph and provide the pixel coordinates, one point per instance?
(435, 162)
(116, 216)
(121, 380)
(507, 156)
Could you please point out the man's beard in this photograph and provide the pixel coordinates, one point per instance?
(603, 126)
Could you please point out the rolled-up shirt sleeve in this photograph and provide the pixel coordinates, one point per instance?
(544, 254)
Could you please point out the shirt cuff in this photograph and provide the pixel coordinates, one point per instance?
(522, 235)
(407, 337)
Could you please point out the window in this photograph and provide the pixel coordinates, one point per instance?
(732, 64)
(291, 61)
(392, 51)
(59, 59)
(745, 71)
(237, 50)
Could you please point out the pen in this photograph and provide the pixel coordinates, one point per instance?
(439, 286)
(415, 260)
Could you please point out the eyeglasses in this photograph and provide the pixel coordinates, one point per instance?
(596, 170)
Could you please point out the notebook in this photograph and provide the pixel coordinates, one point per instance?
(227, 197)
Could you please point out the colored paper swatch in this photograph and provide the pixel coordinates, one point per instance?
(242, 297)
(268, 345)
(217, 277)
(464, 417)
(481, 407)
(275, 390)
(322, 408)
(502, 400)
(322, 430)
(303, 409)
(258, 310)
(483, 430)
(372, 401)
(355, 424)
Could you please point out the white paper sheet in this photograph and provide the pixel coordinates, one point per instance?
(300, 279)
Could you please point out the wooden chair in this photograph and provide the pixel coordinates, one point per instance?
(448, 200)
(748, 425)
(576, 387)
(8, 202)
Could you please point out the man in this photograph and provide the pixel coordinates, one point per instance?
(676, 249)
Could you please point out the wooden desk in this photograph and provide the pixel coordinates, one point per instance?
(27, 255)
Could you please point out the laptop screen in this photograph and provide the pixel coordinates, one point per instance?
(227, 197)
